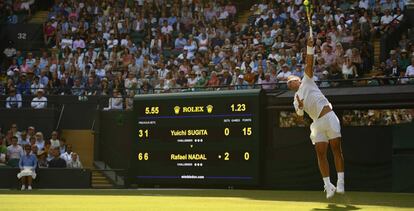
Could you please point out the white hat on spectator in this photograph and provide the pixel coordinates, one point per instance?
(371, 113)
(403, 51)
(241, 76)
(392, 51)
(325, 72)
(40, 90)
(10, 73)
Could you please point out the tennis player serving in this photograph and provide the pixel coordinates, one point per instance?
(325, 129)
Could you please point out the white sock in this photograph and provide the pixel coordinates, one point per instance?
(340, 176)
(23, 186)
(326, 181)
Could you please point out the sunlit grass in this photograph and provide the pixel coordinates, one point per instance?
(182, 200)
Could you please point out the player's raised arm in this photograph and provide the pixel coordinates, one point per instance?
(309, 58)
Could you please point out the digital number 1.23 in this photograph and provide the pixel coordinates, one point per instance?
(238, 107)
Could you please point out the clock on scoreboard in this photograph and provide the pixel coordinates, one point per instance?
(206, 138)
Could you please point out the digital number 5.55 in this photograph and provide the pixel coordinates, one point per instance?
(152, 110)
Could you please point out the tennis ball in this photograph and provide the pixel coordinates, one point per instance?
(306, 2)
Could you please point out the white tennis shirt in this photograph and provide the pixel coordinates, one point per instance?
(313, 99)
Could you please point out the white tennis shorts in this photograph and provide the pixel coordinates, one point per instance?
(325, 128)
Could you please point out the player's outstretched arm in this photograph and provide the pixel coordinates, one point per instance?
(309, 58)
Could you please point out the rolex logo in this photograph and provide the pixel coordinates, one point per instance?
(177, 109)
(209, 109)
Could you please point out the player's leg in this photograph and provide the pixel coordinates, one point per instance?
(334, 135)
(321, 153)
(321, 149)
(339, 163)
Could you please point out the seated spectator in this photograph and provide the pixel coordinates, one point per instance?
(23, 87)
(404, 61)
(35, 150)
(349, 69)
(3, 152)
(36, 85)
(67, 156)
(226, 79)
(41, 159)
(394, 70)
(54, 141)
(267, 83)
(323, 78)
(27, 165)
(116, 101)
(241, 83)
(284, 74)
(15, 131)
(298, 71)
(31, 131)
(78, 88)
(24, 139)
(57, 161)
(25, 5)
(214, 80)
(75, 162)
(49, 32)
(13, 100)
(14, 152)
(10, 51)
(49, 151)
(39, 141)
(410, 73)
(62, 145)
(39, 102)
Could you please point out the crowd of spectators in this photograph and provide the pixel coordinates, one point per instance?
(291, 119)
(13, 12)
(377, 117)
(399, 64)
(125, 48)
(50, 152)
(373, 117)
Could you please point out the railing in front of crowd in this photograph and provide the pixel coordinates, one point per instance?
(281, 85)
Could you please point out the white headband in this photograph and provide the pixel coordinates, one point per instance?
(293, 79)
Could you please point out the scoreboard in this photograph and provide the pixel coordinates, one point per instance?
(205, 138)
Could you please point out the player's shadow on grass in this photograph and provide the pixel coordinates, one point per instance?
(340, 208)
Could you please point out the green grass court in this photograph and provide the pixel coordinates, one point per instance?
(182, 200)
